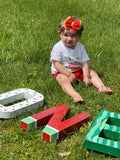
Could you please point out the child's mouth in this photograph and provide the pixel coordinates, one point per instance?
(69, 43)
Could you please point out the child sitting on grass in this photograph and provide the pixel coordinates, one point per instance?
(70, 60)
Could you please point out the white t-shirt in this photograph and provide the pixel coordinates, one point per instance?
(69, 58)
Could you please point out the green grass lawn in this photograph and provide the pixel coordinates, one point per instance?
(28, 31)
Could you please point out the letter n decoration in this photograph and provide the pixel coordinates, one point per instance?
(105, 134)
(56, 127)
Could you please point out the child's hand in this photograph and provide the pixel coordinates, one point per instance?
(72, 77)
(87, 81)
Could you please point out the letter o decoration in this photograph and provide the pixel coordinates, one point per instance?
(32, 99)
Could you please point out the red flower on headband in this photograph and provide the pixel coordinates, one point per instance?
(75, 25)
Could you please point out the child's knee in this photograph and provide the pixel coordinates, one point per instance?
(58, 77)
(93, 73)
(62, 79)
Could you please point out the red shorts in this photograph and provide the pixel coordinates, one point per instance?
(78, 74)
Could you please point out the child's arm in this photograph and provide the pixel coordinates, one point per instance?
(60, 68)
(85, 68)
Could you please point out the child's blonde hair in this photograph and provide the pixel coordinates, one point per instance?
(62, 28)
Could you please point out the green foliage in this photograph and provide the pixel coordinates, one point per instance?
(28, 31)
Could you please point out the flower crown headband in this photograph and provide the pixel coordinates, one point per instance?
(75, 25)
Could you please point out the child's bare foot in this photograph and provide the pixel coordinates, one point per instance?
(77, 98)
(105, 89)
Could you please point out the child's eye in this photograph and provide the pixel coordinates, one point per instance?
(73, 36)
(65, 35)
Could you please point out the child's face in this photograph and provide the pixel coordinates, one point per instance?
(69, 38)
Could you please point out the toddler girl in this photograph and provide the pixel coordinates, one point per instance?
(70, 60)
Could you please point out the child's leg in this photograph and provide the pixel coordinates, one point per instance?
(67, 87)
(96, 81)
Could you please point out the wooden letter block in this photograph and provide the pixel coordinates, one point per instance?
(50, 134)
(104, 134)
(69, 125)
(32, 99)
(28, 123)
(43, 117)
(56, 127)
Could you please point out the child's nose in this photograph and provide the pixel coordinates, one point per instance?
(69, 38)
